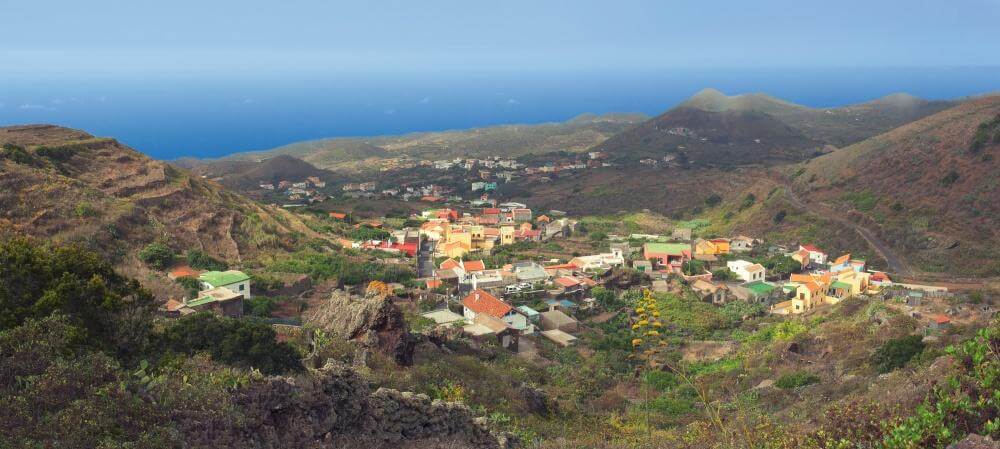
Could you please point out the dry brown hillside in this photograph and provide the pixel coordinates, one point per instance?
(924, 187)
(67, 185)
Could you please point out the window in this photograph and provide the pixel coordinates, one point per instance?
(242, 286)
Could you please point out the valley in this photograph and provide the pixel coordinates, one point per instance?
(739, 272)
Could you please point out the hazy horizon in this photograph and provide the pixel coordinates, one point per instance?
(189, 78)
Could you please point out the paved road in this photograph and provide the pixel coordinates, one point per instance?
(425, 259)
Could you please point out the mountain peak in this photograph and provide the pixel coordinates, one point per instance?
(713, 100)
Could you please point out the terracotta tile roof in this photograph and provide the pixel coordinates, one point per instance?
(491, 211)
(480, 301)
(842, 259)
(812, 286)
(473, 265)
(879, 276)
(433, 283)
(173, 305)
(567, 281)
(184, 271)
(448, 264)
(941, 319)
(811, 248)
(338, 215)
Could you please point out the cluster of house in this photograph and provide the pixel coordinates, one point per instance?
(221, 292)
(456, 235)
(563, 287)
(298, 191)
(819, 282)
(403, 241)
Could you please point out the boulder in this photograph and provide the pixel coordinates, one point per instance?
(372, 321)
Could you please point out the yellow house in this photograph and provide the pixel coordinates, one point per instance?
(453, 249)
(849, 283)
(712, 247)
(506, 235)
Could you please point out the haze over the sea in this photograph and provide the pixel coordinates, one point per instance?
(171, 116)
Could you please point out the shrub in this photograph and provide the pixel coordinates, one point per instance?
(190, 284)
(950, 178)
(723, 274)
(248, 343)
(198, 259)
(779, 217)
(796, 380)
(157, 255)
(713, 200)
(85, 210)
(897, 352)
(748, 201)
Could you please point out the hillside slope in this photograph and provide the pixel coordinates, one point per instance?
(711, 128)
(247, 174)
(67, 185)
(577, 134)
(926, 187)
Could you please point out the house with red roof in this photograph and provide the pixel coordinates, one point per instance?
(479, 302)
(816, 255)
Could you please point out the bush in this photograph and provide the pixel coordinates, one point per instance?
(198, 259)
(248, 343)
(950, 178)
(897, 352)
(796, 380)
(723, 274)
(191, 285)
(157, 255)
(693, 267)
(85, 210)
(779, 217)
(104, 310)
(713, 200)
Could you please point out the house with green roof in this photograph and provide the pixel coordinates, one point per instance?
(220, 300)
(670, 256)
(234, 280)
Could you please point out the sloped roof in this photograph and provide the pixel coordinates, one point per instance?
(842, 259)
(811, 248)
(473, 265)
(567, 281)
(448, 264)
(481, 301)
(673, 249)
(221, 278)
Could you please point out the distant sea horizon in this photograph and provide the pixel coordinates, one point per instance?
(170, 117)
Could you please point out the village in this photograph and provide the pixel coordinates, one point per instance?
(468, 277)
(475, 177)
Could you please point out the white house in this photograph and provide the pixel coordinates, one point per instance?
(747, 271)
(816, 255)
(235, 280)
(601, 261)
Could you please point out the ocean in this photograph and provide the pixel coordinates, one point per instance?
(169, 117)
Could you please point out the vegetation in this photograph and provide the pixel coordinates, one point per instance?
(246, 343)
(198, 259)
(157, 255)
(338, 266)
(796, 380)
(897, 352)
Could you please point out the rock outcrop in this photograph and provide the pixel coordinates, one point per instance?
(334, 407)
(372, 321)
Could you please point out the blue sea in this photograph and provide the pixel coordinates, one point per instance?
(169, 117)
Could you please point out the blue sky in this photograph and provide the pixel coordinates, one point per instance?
(187, 37)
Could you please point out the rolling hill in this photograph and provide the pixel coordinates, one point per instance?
(247, 174)
(577, 134)
(67, 185)
(712, 129)
(929, 187)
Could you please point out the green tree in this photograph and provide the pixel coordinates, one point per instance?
(897, 352)
(157, 255)
(198, 259)
(104, 309)
(248, 343)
